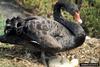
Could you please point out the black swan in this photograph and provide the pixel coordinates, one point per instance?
(49, 35)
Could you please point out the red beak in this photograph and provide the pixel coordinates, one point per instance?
(77, 17)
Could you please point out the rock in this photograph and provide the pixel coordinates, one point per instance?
(63, 62)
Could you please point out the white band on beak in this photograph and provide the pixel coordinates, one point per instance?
(80, 21)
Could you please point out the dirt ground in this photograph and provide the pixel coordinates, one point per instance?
(19, 56)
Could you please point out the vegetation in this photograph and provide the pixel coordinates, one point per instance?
(2, 24)
(91, 18)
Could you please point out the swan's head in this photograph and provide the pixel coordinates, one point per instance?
(74, 11)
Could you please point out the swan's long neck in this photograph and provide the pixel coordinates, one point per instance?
(72, 27)
(75, 29)
(57, 12)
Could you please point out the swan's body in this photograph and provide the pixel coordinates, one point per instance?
(51, 34)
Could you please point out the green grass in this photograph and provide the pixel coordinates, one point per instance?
(91, 18)
(2, 24)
